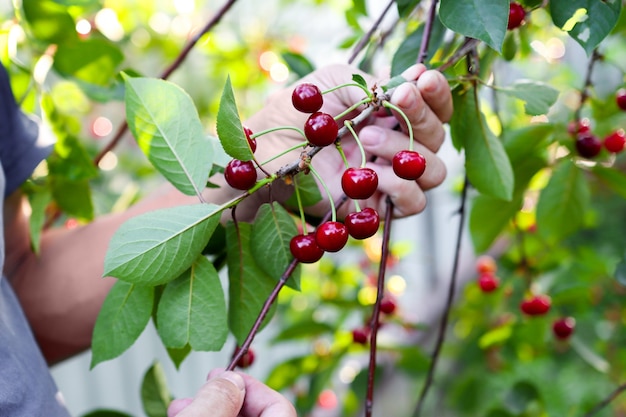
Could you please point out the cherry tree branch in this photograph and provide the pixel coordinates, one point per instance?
(168, 71)
(366, 38)
(584, 92)
(595, 410)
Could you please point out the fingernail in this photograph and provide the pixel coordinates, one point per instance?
(235, 378)
(404, 96)
(427, 82)
(371, 136)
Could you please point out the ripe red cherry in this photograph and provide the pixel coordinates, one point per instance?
(247, 359)
(488, 282)
(240, 175)
(305, 249)
(359, 183)
(620, 98)
(331, 236)
(360, 336)
(517, 14)
(362, 224)
(321, 129)
(583, 126)
(564, 327)
(537, 305)
(588, 145)
(251, 142)
(615, 141)
(387, 305)
(409, 165)
(307, 98)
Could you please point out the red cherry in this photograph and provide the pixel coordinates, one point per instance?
(251, 142)
(363, 224)
(588, 145)
(387, 305)
(360, 336)
(615, 141)
(321, 129)
(331, 236)
(537, 305)
(359, 183)
(307, 98)
(488, 282)
(247, 359)
(485, 264)
(305, 249)
(409, 165)
(564, 327)
(583, 126)
(620, 98)
(240, 175)
(517, 14)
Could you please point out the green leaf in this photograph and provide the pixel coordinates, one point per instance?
(489, 216)
(612, 178)
(192, 310)
(158, 246)
(166, 125)
(487, 164)
(539, 97)
(485, 20)
(405, 7)
(308, 189)
(178, 355)
(93, 60)
(298, 64)
(229, 128)
(248, 285)
(408, 51)
(496, 336)
(38, 201)
(106, 413)
(49, 21)
(124, 315)
(588, 22)
(357, 78)
(73, 197)
(155, 395)
(521, 395)
(620, 272)
(563, 202)
(272, 231)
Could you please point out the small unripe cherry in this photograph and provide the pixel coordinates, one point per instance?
(486, 264)
(564, 327)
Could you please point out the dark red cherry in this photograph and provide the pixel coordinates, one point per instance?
(331, 236)
(251, 142)
(536, 305)
(305, 249)
(240, 175)
(517, 14)
(247, 359)
(321, 129)
(564, 327)
(387, 305)
(588, 145)
(360, 336)
(615, 141)
(409, 165)
(359, 183)
(620, 98)
(362, 224)
(307, 98)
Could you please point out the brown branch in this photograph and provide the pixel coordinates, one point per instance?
(584, 92)
(366, 38)
(168, 71)
(449, 301)
(428, 29)
(606, 401)
(374, 323)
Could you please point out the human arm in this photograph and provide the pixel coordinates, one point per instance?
(62, 289)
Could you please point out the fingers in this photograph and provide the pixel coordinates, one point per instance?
(436, 93)
(262, 401)
(221, 396)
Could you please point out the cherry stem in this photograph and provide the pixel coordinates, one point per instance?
(606, 401)
(351, 84)
(285, 152)
(333, 210)
(348, 125)
(274, 129)
(406, 120)
(375, 320)
(366, 38)
(584, 92)
(353, 107)
(300, 208)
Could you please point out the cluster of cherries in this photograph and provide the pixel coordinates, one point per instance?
(358, 183)
(588, 145)
(534, 305)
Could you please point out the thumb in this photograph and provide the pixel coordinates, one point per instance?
(221, 396)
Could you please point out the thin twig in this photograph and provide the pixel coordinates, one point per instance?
(450, 298)
(428, 29)
(584, 92)
(374, 323)
(168, 71)
(366, 38)
(606, 401)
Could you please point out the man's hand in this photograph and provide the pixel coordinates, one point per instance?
(232, 394)
(425, 99)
